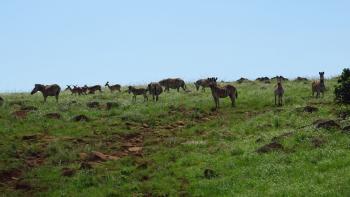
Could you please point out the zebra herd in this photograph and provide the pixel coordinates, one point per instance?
(156, 88)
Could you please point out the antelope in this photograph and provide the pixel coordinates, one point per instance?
(74, 90)
(138, 91)
(113, 87)
(279, 92)
(202, 82)
(222, 92)
(93, 89)
(155, 89)
(47, 90)
(318, 86)
(176, 83)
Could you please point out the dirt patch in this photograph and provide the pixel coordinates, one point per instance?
(69, 172)
(93, 104)
(110, 105)
(10, 175)
(21, 185)
(273, 146)
(20, 114)
(308, 109)
(326, 124)
(282, 136)
(317, 142)
(29, 108)
(53, 115)
(80, 118)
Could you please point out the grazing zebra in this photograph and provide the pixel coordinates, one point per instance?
(202, 82)
(319, 86)
(113, 87)
(138, 91)
(222, 92)
(155, 89)
(47, 90)
(176, 83)
(279, 92)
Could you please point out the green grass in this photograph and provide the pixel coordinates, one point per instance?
(185, 137)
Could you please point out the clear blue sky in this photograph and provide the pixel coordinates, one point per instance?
(135, 42)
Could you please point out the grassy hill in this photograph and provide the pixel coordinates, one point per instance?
(178, 146)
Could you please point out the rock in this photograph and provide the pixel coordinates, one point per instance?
(79, 118)
(111, 105)
(29, 108)
(98, 156)
(326, 124)
(273, 146)
(53, 115)
(144, 125)
(93, 104)
(83, 156)
(68, 172)
(135, 149)
(181, 123)
(209, 174)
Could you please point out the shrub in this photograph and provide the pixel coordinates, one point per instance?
(342, 90)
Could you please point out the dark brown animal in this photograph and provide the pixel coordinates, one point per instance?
(175, 83)
(279, 92)
(222, 92)
(113, 88)
(155, 89)
(85, 89)
(47, 90)
(319, 86)
(75, 90)
(93, 89)
(138, 91)
(204, 83)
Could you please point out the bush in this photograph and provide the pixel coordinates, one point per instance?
(342, 90)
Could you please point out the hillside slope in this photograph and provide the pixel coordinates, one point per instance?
(178, 146)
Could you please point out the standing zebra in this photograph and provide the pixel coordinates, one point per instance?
(318, 86)
(279, 92)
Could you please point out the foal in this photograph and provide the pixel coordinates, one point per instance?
(47, 90)
(318, 86)
(138, 91)
(222, 92)
(279, 92)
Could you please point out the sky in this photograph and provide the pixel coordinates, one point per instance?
(137, 41)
